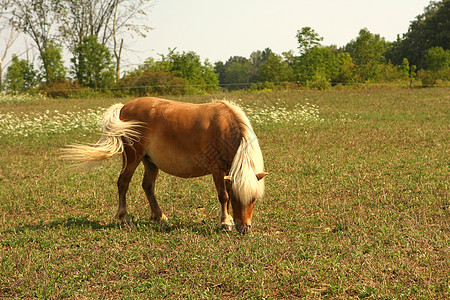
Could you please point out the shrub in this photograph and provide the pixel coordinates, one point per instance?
(61, 89)
(427, 78)
(148, 82)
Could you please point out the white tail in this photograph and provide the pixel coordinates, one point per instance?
(247, 162)
(115, 132)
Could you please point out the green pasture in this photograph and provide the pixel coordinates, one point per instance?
(356, 205)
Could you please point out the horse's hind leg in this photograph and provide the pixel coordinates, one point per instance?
(148, 184)
(130, 163)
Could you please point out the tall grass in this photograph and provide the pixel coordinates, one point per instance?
(356, 206)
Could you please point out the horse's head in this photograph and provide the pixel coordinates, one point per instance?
(242, 212)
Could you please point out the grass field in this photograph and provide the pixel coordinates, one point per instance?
(356, 206)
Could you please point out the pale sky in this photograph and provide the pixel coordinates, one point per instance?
(218, 29)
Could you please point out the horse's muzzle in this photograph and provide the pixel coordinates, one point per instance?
(243, 229)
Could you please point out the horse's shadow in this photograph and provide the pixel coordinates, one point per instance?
(133, 224)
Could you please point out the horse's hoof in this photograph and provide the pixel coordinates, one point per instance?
(163, 220)
(122, 217)
(227, 227)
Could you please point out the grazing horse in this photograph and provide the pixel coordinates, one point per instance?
(184, 140)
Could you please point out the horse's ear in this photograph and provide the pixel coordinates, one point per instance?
(261, 175)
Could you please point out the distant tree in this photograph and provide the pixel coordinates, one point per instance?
(20, 75)
(37, 19)
(108, 20)
(56, 71)
(185, 65)
(259, 59)
(210, 78)
(176, 73)
(8, 35)
(150, 79)
(275, 69)
(437, 59)
(307, 39)
(188, 65)
(263, 66)
(238, 74)
(237, 59)
(430, 29)
(345, 70)
(438, 66)
(407, 71)
(404, 68)
(316, 65)
(219, 69)
(235, 73)
(367, 51)
(92, 64)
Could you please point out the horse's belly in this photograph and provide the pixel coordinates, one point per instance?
(178, 163)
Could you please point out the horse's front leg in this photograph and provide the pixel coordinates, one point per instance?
(225, 219)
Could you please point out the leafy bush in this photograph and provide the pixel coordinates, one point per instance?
(148, 82)
(61, 89)
(175, 74)
(427, 78)
(21, 75)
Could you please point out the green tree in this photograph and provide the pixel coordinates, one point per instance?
(150, 79)
(259, 59)
(111, 21)
(275, 69)
(92, 64)
(235, 73)
(56, 71)
(37, 19)
(367, 51)
(219, 69)
(316, 66)
(405, 70)
(176, 74)
(210, 78)
(188, 65)
(20, 75)
(307, 39)
(430, 29)
(238, 74)
(185, 65)
(438, 66)
(437, 59)
(8, 36)
(345, 70)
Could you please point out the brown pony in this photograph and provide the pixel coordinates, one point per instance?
(184, 140)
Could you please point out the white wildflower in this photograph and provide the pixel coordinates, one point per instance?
(37, 124)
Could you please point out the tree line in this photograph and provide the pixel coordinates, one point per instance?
(94, 31)
(421, 53)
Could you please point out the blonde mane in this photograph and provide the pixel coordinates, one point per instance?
(247, 162)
